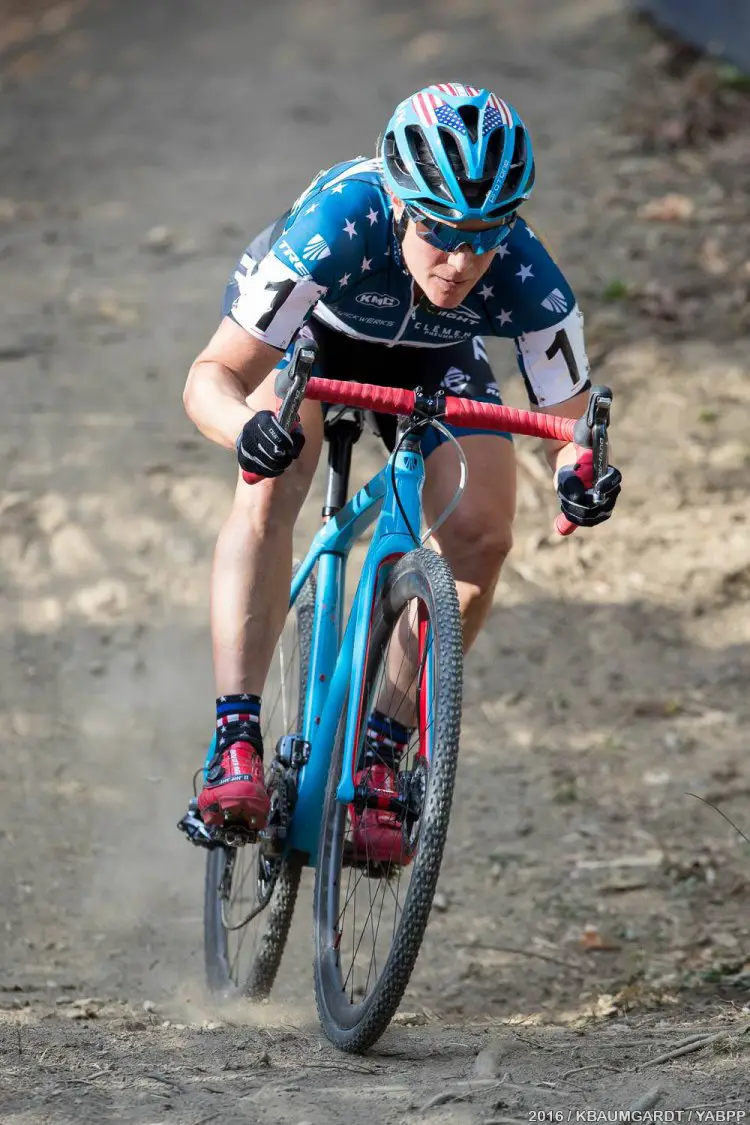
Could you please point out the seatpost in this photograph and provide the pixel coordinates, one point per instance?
(341, 434)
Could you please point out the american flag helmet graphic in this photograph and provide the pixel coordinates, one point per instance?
(457, 152)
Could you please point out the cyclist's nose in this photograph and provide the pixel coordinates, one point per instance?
(462, 260)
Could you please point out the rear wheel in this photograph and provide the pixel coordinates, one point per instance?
(370, 917)
(250, 893)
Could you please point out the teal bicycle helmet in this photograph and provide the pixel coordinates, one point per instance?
(454, 152)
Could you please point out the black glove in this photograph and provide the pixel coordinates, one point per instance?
(577, 501)
(265, 449)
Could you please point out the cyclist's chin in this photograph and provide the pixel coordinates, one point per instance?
(446, 294)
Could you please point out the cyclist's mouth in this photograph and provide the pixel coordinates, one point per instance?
(450, 284)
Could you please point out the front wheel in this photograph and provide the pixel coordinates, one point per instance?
(370, 916)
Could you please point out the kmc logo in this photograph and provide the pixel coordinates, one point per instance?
(380, 300)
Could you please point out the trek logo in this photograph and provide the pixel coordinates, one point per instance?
(555, 302)
(291, 254)
(316, 249)
(379, 300)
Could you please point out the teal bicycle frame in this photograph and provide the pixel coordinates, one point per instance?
(337, 657)
(337, 664)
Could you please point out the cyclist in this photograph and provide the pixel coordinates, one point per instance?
(397, 266)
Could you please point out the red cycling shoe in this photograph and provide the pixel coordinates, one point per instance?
(234, 791)
(377, 836)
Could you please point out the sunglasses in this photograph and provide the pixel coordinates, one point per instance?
(448, 238)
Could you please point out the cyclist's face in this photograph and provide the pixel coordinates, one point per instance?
(445, 278)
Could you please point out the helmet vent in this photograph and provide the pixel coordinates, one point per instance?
(424, 159)
(517, 169)
(454, 154)
(494, 153)
(396, 166)
(469, 114)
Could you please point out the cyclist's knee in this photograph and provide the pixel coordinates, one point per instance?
(476, 550)
(274, 502)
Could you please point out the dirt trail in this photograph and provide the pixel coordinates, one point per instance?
(595, 915)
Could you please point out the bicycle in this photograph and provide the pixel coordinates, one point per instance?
(317, 781)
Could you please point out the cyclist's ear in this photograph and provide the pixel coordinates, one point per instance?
(398, 206)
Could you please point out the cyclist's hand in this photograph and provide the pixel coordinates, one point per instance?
(265, 449)
(577, 496)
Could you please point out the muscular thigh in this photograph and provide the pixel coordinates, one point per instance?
(480, 529)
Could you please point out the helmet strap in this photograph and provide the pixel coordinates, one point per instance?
(400, 226)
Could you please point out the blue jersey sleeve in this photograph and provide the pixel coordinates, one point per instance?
(533, 304)
(319, 252)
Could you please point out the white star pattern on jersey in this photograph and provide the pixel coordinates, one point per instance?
(530, 232)
(338, 189)
(504, 317)
(311, 208)
(525, 273)
(345, 279)
(502, 251)
(349, 228)
(486, 292)
(372, 215)
(366, 263)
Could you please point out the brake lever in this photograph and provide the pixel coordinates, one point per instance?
(600, 407)
(591, 433)
(291, 383)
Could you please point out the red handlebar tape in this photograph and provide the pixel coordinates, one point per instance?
(458, 411)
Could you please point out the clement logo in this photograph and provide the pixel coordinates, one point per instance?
(379, 300)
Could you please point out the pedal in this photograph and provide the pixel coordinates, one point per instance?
(235, 835)
(196, 831)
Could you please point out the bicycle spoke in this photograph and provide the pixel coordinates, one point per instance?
(362, 935)
(270, 711)
(361, 938)
(238, 954)
(374, 958)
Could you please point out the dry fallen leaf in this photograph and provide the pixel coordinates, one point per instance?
(669, 208)
(593, 942)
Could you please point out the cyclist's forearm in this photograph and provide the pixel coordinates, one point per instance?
(214, 399)
(559, 453)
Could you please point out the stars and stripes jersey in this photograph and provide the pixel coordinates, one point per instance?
(335, 256)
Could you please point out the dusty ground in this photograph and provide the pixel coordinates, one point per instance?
(595, 913)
